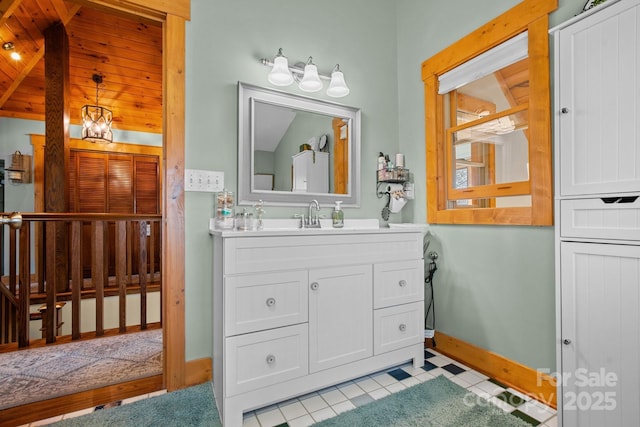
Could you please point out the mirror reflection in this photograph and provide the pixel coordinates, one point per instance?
(294, 149)
(298, 150)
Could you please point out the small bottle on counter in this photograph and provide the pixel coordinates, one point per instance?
(337, 215)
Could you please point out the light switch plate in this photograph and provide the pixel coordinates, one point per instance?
(203, 180)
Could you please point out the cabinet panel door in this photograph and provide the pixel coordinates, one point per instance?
(599, 86)
(600, 342)
(340, 316)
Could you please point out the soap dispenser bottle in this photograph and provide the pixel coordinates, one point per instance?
(337, 215)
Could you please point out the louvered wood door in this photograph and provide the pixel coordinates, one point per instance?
(114, 183)
(146, 200)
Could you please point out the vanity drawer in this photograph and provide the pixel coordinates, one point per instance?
(255, 302)
(398, 282)
(397, 327)
(601, 218)
(252, 254)
(265, 358)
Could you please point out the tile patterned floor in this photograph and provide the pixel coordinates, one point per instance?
(308, 409)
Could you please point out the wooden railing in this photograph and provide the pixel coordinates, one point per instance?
(57, 257)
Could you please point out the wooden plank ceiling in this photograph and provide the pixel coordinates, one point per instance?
(126, 52)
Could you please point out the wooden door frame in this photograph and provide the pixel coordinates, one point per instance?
(173, 15)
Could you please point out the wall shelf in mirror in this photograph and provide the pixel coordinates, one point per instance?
(276, 129)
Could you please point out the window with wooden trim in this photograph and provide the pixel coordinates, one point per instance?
(488, 130)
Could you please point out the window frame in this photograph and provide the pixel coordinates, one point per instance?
(528, 15)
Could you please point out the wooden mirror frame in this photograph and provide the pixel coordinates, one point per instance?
(531, 15)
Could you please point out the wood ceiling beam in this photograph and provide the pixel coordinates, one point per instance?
(61, 9)
(21, 76)
(6, 9)
(36, 58)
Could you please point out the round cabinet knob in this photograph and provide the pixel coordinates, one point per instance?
(315, 286)
(402, 327)
(271, 359)
(402, 283)
(271, 302)
(564, 110)
(566, 341)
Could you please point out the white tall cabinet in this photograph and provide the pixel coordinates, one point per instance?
(597, 169)
(311, 171)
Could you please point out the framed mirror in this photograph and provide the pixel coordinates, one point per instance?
(293, 149)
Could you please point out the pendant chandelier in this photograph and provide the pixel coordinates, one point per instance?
(96, 120)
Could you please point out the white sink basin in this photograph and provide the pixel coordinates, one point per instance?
(284, 226)
(325, 224)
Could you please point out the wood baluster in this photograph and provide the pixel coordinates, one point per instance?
(152, 251)
(121, 266)
(51, 275)
(40, 255)
(76, 278)
(142, 272)
(97, 271)
(24, 290)
(13, 312)
(129, 252)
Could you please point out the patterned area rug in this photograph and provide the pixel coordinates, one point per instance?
(43, 373)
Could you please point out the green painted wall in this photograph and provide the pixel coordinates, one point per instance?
(495, 285)
(225, 40)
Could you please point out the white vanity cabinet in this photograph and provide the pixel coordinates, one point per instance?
(597, 169)
(302, 310)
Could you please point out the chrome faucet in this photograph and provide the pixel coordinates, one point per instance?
(311, 220)
(314, 221)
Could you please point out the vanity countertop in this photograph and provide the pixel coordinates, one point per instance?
(286, 227)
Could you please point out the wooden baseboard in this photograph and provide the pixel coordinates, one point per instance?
(44, 409)
(198, 371)
(531, 382)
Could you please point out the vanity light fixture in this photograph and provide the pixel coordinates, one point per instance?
(307, 76)
(337, 87)
(310, 80)
(96, 120)
(280, 74)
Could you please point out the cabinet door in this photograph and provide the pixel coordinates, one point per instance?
(340, 316)
(600, 338)
(598, 91)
